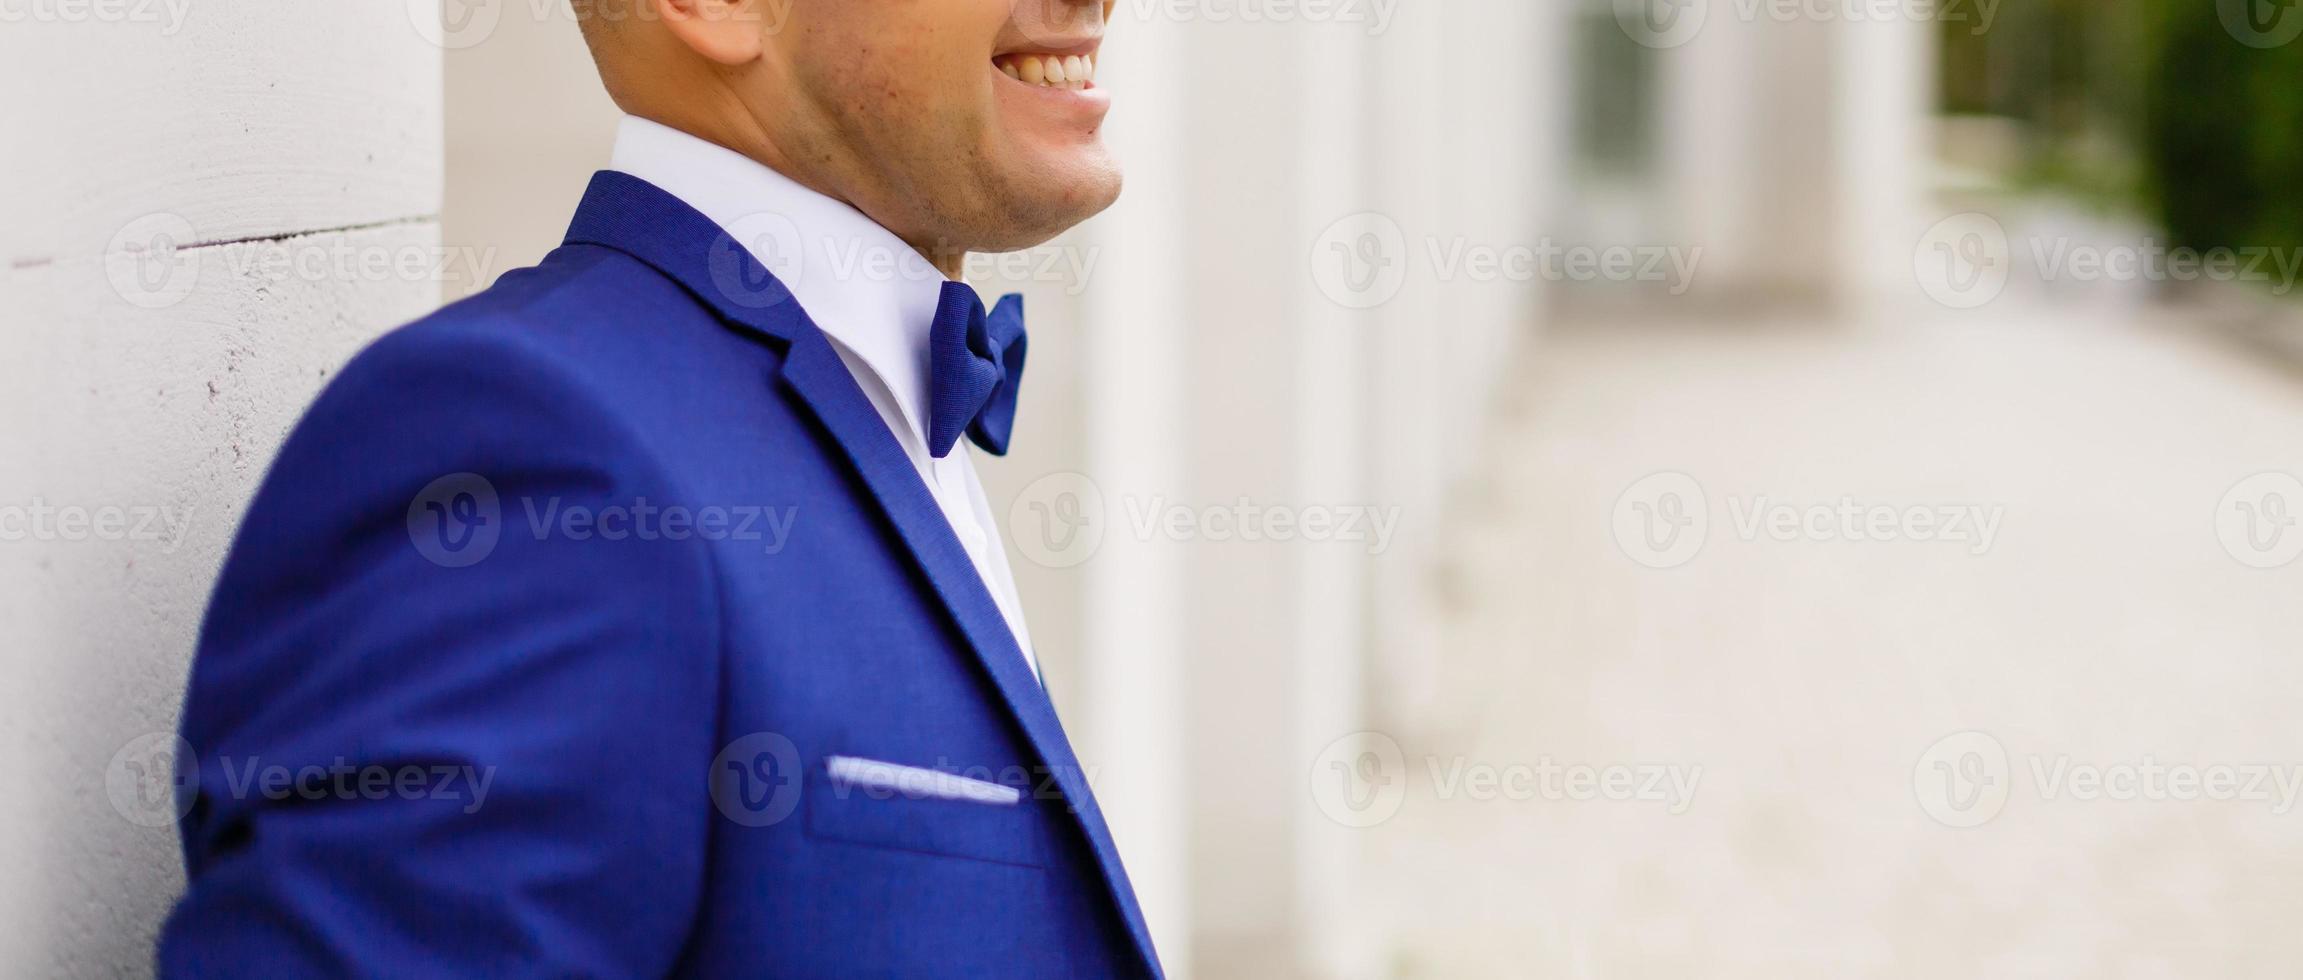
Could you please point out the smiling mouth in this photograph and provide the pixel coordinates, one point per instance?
(1072, 71)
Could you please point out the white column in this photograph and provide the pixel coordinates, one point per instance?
(1749, 154)
(1132, 405)
(1884, 115)
(1328, 439)
(1414, 348)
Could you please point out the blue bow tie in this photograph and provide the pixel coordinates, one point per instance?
(975, 364)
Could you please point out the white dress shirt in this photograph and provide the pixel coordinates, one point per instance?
(872, 295)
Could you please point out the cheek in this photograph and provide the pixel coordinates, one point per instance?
(924, 38)
(876, 101)
(908, 80)
(917, 66)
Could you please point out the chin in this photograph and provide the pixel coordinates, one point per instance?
(1050, 200)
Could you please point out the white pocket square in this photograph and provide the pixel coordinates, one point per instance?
(916, 783)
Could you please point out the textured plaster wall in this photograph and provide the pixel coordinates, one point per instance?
(207, 209)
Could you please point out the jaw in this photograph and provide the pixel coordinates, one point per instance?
(1004, 153)
(1048, 142)
(1049, 198)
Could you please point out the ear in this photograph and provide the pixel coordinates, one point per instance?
(724, 31)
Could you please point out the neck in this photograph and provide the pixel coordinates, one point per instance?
(739, 130)
(951, 262)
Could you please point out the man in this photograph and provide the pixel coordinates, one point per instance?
(643, 615)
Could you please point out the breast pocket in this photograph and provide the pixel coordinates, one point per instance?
(927, 811)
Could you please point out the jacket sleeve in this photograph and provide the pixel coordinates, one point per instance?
(450, 714)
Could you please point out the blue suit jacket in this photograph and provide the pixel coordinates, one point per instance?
(649, 699)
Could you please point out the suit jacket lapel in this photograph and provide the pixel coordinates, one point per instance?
(632, 216)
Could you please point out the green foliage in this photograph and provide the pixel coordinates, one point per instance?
(2072, 73)
(2223, 142)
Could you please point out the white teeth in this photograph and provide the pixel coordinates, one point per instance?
(1067, 72)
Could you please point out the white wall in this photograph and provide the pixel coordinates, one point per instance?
(156, 382)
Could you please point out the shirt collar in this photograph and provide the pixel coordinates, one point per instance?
(859, 283)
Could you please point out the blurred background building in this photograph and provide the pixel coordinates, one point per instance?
(1578, 488)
